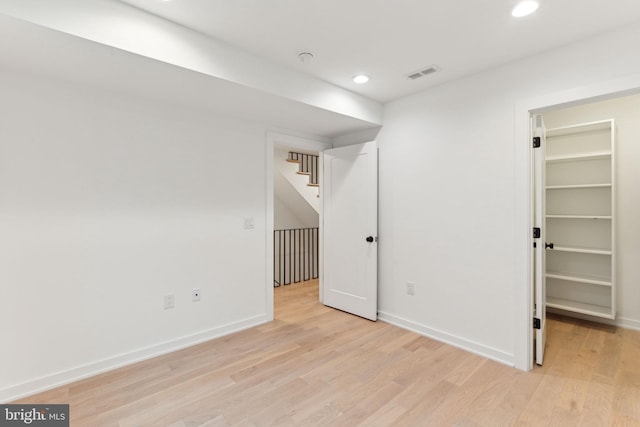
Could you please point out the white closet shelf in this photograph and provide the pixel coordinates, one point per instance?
(580, 250)
(579, 307)
(577, 186)
(580, 128)
(594, 155)
(579, 216)
(581, 278)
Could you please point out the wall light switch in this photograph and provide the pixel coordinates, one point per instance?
(249, 223)
(411, 288)
(169, 301)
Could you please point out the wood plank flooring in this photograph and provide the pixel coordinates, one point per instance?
(318, 366)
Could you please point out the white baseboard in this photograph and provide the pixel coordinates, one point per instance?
(58, 379)
(628, 323)
(464, 344)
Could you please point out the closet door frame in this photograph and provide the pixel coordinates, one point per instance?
(523, 165)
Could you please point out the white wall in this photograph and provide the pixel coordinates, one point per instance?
(447, 198)
(283, 217)
(626, 112)
(286, 216)
(107, 203)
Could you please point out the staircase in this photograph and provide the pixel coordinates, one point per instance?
(296, 250)
(308, 165)
(301, 172)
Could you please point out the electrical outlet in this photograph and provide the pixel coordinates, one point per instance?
(195, 295)
(169, 301)
(411, 288)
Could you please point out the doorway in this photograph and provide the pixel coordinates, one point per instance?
(293, 233)
(559, 107)
(347, 228)
(591, 210)
(296, 239)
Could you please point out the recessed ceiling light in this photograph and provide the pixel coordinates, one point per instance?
(361, 78)
(524, 8)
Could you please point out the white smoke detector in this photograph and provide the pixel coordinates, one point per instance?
(305, 56)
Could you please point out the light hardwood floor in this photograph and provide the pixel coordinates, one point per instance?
(318, 366)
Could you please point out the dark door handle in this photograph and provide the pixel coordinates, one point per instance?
(370, 239)
(548, 245)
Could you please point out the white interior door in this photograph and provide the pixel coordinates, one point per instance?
(538, 131)
(349, 228)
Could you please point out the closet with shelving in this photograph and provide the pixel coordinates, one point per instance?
(580, 219)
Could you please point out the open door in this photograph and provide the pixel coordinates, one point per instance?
(538, 131)
(349, 228)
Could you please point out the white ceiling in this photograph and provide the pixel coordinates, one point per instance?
(242, 59)
(38, 50)
(387, 39)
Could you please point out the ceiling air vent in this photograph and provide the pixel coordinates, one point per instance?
(421, 73)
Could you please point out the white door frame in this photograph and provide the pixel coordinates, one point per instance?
(523, 352)
(273, 139)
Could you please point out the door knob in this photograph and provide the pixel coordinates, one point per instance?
(370, 239)
(548, 245)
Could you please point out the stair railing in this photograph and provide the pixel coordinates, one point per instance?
(295, 255)
(308, 164)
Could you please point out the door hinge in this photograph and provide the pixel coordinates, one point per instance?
(536, 232)
(536, 323)
(536, 142)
